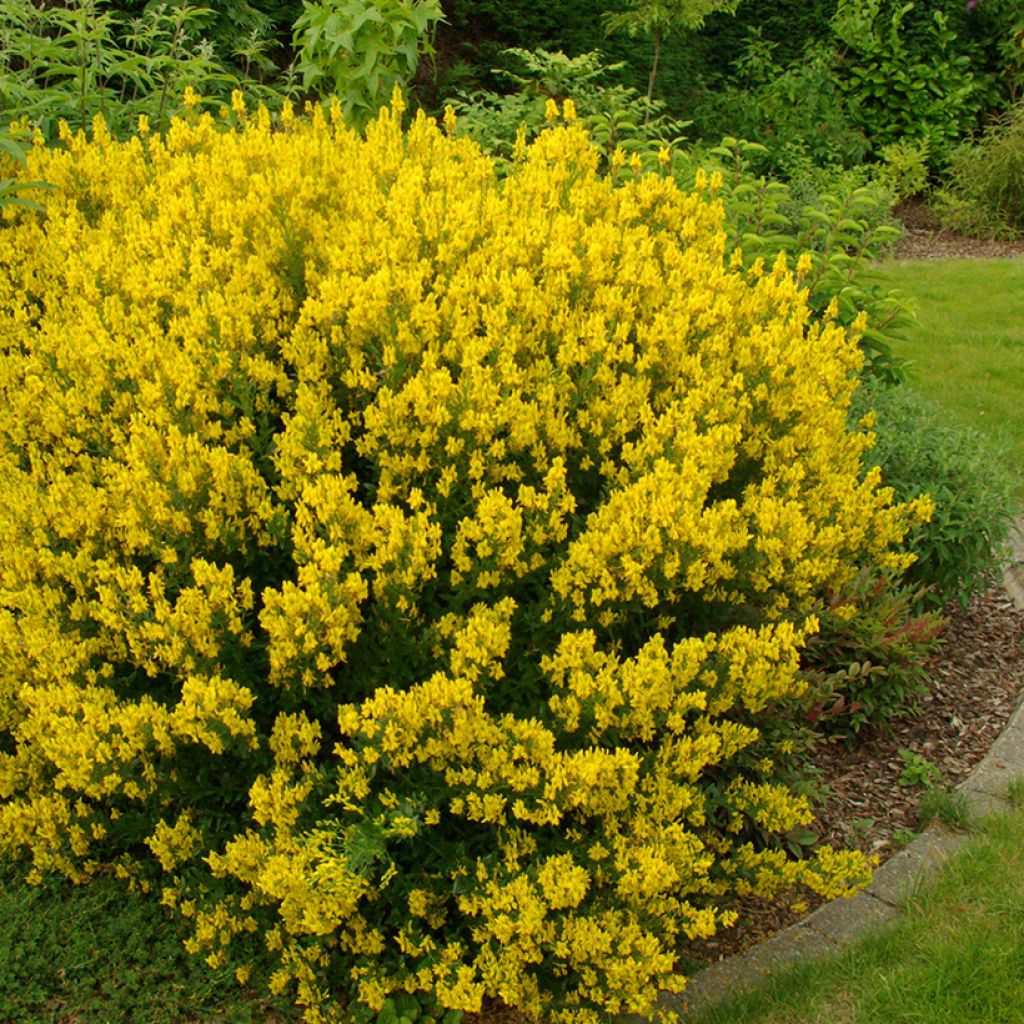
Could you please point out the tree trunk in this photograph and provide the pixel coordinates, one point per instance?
(653, 74)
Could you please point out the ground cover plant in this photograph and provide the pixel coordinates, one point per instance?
(406, 571)
(96, 954)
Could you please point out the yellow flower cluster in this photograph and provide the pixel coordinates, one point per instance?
(407, 555)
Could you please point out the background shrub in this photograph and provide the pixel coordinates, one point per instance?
(984, 194)
(400, 563)
(359, 51)
(904, 89)
(73, 61)
(920, 451)
(617, 117)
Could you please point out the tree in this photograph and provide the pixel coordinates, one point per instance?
(659, 19)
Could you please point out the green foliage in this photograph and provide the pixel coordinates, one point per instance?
(984, 194)
(360, 51)
(920, 451)
(869, 663)
(11, 189)
(76, 61)
(926, 93)
(917, 770)
(904, 167)
(615, 115)
(407, 1008)
(903, 837)
(663, 17)
(659, 19)
(841, 222)
(94, 954)
(796, 111)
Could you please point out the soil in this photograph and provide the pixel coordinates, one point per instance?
(926, 239)
(975, 686)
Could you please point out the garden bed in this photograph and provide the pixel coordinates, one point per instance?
(925, 239)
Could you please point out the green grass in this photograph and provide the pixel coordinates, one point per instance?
(97, 954)
(955, 957)
(967, 351)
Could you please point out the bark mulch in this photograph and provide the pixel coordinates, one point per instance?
(925, 239)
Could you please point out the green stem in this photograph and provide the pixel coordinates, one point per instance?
(83, 58)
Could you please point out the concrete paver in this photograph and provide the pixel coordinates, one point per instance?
(897, 878)
(842, 922)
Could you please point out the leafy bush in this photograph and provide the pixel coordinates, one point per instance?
(658, 20)
(400, 564)
(984, 193)
(832, 225)
(904, 168)
(796, 111)
(921, 452)
(869, 662)
(616, 116)
(359, 51)
(925, 93)
(73, 61)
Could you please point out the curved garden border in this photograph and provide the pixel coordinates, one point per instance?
(841, 922)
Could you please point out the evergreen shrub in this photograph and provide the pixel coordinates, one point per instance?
(959, 550)
(404, 569)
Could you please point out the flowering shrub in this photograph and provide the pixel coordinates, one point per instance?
(398, 564)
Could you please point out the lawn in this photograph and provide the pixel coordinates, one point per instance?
(967, 351)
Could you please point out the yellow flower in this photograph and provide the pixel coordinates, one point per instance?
(400, 552)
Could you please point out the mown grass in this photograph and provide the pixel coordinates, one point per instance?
(967, 350)
(955, 957)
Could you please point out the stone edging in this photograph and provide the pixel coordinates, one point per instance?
(841, 922)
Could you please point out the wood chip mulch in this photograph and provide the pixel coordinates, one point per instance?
(925, 239)
(976, 684)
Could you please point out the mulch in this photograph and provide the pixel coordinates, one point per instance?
(975, 685)
(925, 239)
